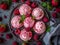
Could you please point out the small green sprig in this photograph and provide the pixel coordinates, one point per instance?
(9, 2)
(22, 18)
(48, 28)
(47, 5)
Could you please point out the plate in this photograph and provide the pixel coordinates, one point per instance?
(13, 29)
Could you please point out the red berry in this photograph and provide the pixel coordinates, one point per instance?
(27, 15)
(35, 37)
(2, 29)
(57, 10)
(22, 1)
(14, 43)
(16, 12)
(28, 29)
(54, 3)
(45, 19)
(8, 36)
(14, 0)
(54, 15)
(0, 18)
(39, 43)
(17, 31)
(28, 2)
(4, 6)
(33, 5)
(30, 34)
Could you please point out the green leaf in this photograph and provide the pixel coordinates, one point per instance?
(44, 4)
(33, 17)
(24, 43)
(22, 18)
(9, 2)
(48, 29)
(49, 6)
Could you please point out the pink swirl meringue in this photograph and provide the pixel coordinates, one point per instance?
(15, 22)
(38, 13)
(39, 27)
(25, 9)
(25, 35)
(28, 22)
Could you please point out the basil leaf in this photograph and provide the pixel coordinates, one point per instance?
(22, 18)
(48, 29)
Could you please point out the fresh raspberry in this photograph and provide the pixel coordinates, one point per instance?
(30, 34)
(28, 2)
(14, 43)
(1, 19)
(27, 15)
(14, 0)
(45, 19)
(54, 3)
(17, 31)
(28, 29)
(22, 1)
(57, 10)
(39, 43)
(54, 15)
(2, 28)
(33, 5)
(16, 12)
(4, 6)
(8, 36)
(35, 37)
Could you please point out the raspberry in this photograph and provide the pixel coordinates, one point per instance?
(2, 28)
(39, 43)
(33, 5)
(45, 19)
(28, 2)
(30, 34)
(14, 43)
(35, 37)
(8, 36)
(16, 12)
(14, 0)
(17, 32)
(57, 10)
(1, 19)
(22, 1)
(54, 3)
(27, 15)
(28, 29)
(54, 15)
(4, 6)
